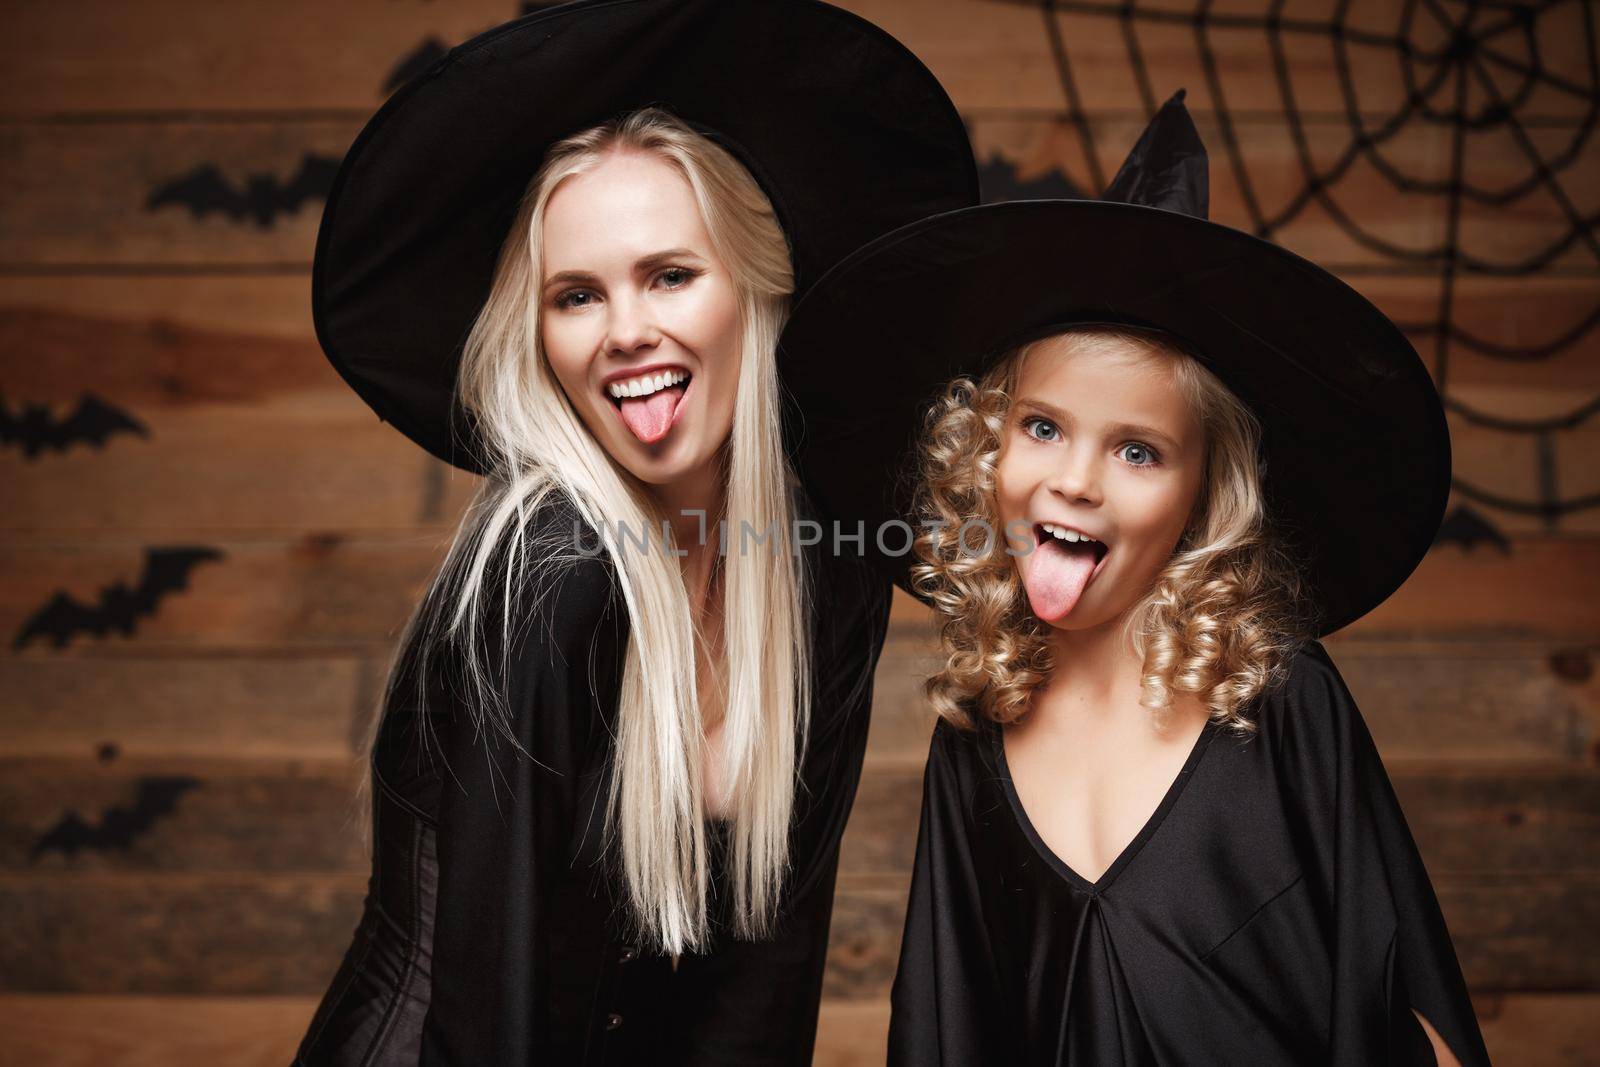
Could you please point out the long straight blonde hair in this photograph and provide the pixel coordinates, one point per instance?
(534, 443)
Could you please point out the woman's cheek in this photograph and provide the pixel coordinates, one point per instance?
(563, 344)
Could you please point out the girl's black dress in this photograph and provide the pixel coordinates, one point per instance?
(489, 935)
(1273, 910)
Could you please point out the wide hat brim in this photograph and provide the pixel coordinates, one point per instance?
(846, 131)
(1356, 447)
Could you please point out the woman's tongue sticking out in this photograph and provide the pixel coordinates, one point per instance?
(650, 417)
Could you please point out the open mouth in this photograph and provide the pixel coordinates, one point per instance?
(1061, 567)
(651, 404)
(1050, 540)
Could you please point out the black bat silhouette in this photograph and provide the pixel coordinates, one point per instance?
(997, 179)
(119, 824)
(93, 420)
(205, 190)
(119, 608)
(1467, 528)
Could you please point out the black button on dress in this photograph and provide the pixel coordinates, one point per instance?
(490, 932)
(1273, 910)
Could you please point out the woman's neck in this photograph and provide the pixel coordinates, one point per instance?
(693, 504)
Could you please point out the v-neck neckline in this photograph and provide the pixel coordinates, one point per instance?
(1151, 825)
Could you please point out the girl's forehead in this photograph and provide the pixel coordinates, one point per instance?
(1097, 367)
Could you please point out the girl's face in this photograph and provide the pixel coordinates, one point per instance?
(634, 301)
(1097, 441)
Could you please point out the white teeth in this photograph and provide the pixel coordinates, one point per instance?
(647, 384)
(1062, 533)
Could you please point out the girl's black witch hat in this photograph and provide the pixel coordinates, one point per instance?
(1355, 445)
(846, 131)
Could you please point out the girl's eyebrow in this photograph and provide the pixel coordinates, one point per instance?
(643, 265)
(1129, 428)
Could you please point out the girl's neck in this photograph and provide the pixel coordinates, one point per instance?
(1096, 671)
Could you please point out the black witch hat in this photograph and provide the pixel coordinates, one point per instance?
(845, 130)
(1355, 444)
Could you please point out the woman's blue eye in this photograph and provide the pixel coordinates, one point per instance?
(574, 298)
(1152, 459)
(675, 277)
(1046, 427)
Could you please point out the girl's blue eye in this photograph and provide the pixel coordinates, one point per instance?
(1046, 427)
(1151, 460)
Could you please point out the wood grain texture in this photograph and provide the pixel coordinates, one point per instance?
(205, 931)
(73, 1030)
(1545, 585)
(199, 707)
(1440, 698)
(86, 56)
(281, 934)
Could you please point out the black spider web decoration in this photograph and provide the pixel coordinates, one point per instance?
(1449, 53)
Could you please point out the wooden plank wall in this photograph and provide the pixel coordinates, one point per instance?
(179, 875)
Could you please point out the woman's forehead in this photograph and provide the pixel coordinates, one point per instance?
(629, 205)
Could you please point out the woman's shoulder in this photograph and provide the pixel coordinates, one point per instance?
(561, 544)
(550, 574)
(844, 583)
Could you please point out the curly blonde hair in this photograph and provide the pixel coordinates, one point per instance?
(1221, 620)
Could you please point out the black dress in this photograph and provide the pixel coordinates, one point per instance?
(489, 934)
(1273, 910)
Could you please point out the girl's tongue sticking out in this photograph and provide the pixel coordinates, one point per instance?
(1056, 572)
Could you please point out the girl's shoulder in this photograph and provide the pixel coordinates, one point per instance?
(1311, 722)
(966, 749)
(1310, 693)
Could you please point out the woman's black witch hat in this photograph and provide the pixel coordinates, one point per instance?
(846, 131)
(1355, 445)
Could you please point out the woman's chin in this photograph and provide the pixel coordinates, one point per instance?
(664, 464)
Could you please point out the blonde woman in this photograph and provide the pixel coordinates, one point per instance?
(624, 726)
(1155, 828)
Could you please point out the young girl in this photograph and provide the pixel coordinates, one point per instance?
(614, 760)
(1155, 829)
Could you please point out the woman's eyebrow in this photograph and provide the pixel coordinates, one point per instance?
(1130, 428)
(566, 277)
(657, 259)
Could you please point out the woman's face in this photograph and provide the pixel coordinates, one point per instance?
(634, 301)
(1097, 441)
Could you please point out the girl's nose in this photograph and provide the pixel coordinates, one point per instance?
(1077, 478)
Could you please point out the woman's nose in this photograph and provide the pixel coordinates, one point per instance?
(631, 326)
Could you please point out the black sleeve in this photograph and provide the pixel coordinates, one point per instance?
(1391, 949)
(941, 1004)
(501, 810)
(755, 1003)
